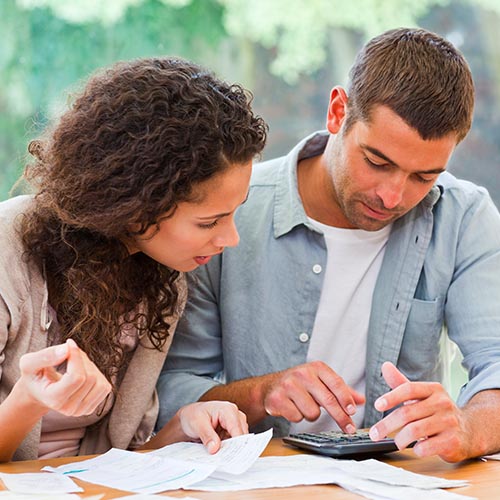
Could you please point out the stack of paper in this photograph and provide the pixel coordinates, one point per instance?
(369, 478)
(237, 467)
(159, 471)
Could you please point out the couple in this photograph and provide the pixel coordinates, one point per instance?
(139, 182)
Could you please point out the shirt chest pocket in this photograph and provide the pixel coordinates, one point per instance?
(420, 351)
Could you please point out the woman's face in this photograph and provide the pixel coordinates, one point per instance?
(198, 230)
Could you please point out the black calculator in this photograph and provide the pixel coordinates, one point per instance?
(339, 444)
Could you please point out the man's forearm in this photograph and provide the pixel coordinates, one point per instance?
(482, 414)
(247, 394)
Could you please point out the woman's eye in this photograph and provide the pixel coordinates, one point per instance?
(210, 225)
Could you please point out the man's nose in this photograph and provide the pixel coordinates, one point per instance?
(391, 192)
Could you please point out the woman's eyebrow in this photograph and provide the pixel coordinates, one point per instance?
(225, 214)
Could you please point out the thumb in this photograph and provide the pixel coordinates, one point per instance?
(51, 356)
(209, 437)
(392, 375)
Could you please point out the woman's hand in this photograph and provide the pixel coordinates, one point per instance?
(79, 390)
(208, 422)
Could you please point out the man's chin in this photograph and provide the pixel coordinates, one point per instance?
(368, 224)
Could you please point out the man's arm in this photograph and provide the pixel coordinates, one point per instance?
(296, 393)
(425, 413)
(195, 356)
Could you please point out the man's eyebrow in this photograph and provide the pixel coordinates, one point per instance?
(376, 152)
(225, 214)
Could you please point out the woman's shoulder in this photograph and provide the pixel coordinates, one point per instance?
(11, 213)
(14, 268)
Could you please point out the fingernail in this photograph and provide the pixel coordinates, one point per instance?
(351, 409)
(211, 446)
(374, 435)
(350, 428)
(380, 404)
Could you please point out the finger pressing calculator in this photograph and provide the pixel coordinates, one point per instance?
(338, 444)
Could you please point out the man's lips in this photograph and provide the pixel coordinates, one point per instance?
(378, 214)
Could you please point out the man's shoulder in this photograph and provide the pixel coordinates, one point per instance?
(267, 173)
(460, 192)
(463, 205)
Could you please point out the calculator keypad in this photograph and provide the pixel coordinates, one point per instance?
(336, 443)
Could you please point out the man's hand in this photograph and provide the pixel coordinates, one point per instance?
(426, 415)
(300, 392)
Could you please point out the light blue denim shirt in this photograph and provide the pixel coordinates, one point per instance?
(251, 310)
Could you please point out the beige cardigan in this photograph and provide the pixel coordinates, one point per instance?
(24, 327)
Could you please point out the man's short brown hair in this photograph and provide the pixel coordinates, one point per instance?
(420, 76)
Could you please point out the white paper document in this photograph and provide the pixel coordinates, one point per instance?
(166, 469)
(150, 497)
(136, 472)
(39, 482)
(237, 466)
(10, 495)
(392, 483)
(235, 456)
(385, 473)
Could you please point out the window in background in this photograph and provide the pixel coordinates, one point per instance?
(288, 52)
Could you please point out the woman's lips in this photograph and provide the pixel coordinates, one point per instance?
(202, 259)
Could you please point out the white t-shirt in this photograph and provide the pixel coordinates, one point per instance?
(340, 329)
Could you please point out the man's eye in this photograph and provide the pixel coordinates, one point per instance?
(424, 180)
(373, 164)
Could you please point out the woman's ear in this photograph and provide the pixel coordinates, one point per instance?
(336, 109)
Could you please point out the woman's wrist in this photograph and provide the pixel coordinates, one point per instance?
(25, 403)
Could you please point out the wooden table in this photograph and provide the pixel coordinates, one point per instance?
(484, 478)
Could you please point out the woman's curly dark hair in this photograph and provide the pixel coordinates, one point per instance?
(136, 141)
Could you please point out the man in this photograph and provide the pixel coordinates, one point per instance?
(356, 250)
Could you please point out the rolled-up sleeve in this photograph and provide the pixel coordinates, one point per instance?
(195, 356)
(472, 310)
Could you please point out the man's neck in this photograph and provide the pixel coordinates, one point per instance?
(317, 193)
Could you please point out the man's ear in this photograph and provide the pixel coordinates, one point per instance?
(336, 109)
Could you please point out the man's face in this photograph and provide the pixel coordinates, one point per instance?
(382, 169)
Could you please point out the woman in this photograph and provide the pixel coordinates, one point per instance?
(136, 184)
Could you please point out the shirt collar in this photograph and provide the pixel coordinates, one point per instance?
(288, 209)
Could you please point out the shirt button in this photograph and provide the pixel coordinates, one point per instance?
(303, 337)
(317, 269)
